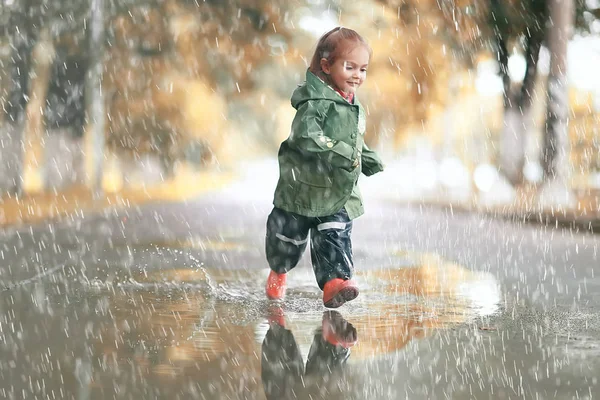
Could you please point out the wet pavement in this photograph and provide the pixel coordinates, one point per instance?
(166, 301)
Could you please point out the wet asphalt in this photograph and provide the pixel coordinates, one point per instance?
(166, 301)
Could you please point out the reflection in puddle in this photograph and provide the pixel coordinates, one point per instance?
(212, 325)
(283, 373)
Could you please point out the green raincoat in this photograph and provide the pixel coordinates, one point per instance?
(321, 160)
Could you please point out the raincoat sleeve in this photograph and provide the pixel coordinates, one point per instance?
(308, 137)
(371, 163)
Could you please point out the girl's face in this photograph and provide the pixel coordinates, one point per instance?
(348, 71)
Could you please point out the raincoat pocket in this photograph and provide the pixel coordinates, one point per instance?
(312, 197)
(317, 175)
(317, 181)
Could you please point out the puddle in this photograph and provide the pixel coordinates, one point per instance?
(428, 329)
(207, 311)
(200, 332)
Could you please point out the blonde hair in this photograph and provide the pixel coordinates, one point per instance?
(328, 47)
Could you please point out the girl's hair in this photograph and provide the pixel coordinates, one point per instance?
(328, 47)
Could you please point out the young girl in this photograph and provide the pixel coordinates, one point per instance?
(319, 166)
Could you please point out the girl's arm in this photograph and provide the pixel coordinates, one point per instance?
(371, 163)
(307, 136)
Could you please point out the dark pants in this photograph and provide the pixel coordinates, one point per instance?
(330, 244)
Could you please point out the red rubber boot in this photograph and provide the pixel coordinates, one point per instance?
(338, 291)
(276, 285)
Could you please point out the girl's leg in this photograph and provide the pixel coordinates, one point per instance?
(287, 236)
(331, 248)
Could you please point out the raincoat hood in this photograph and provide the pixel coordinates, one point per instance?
(315, 89)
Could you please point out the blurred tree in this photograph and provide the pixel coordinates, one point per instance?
(31, 26)
(33, 171)
(532, 24)
(521, 23)
(468, 27)
(163, 59)
(185, 64)
(555, 153)
(176, 67)
(17, 26)
(525, 24)
(416, 45)
(96, 111)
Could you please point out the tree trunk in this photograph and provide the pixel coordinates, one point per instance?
(517, 112)
(555, 154)
(23, 40)
(96, 114)
(556, 150)
(525, 101)
(20, 79)
(34, 129)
